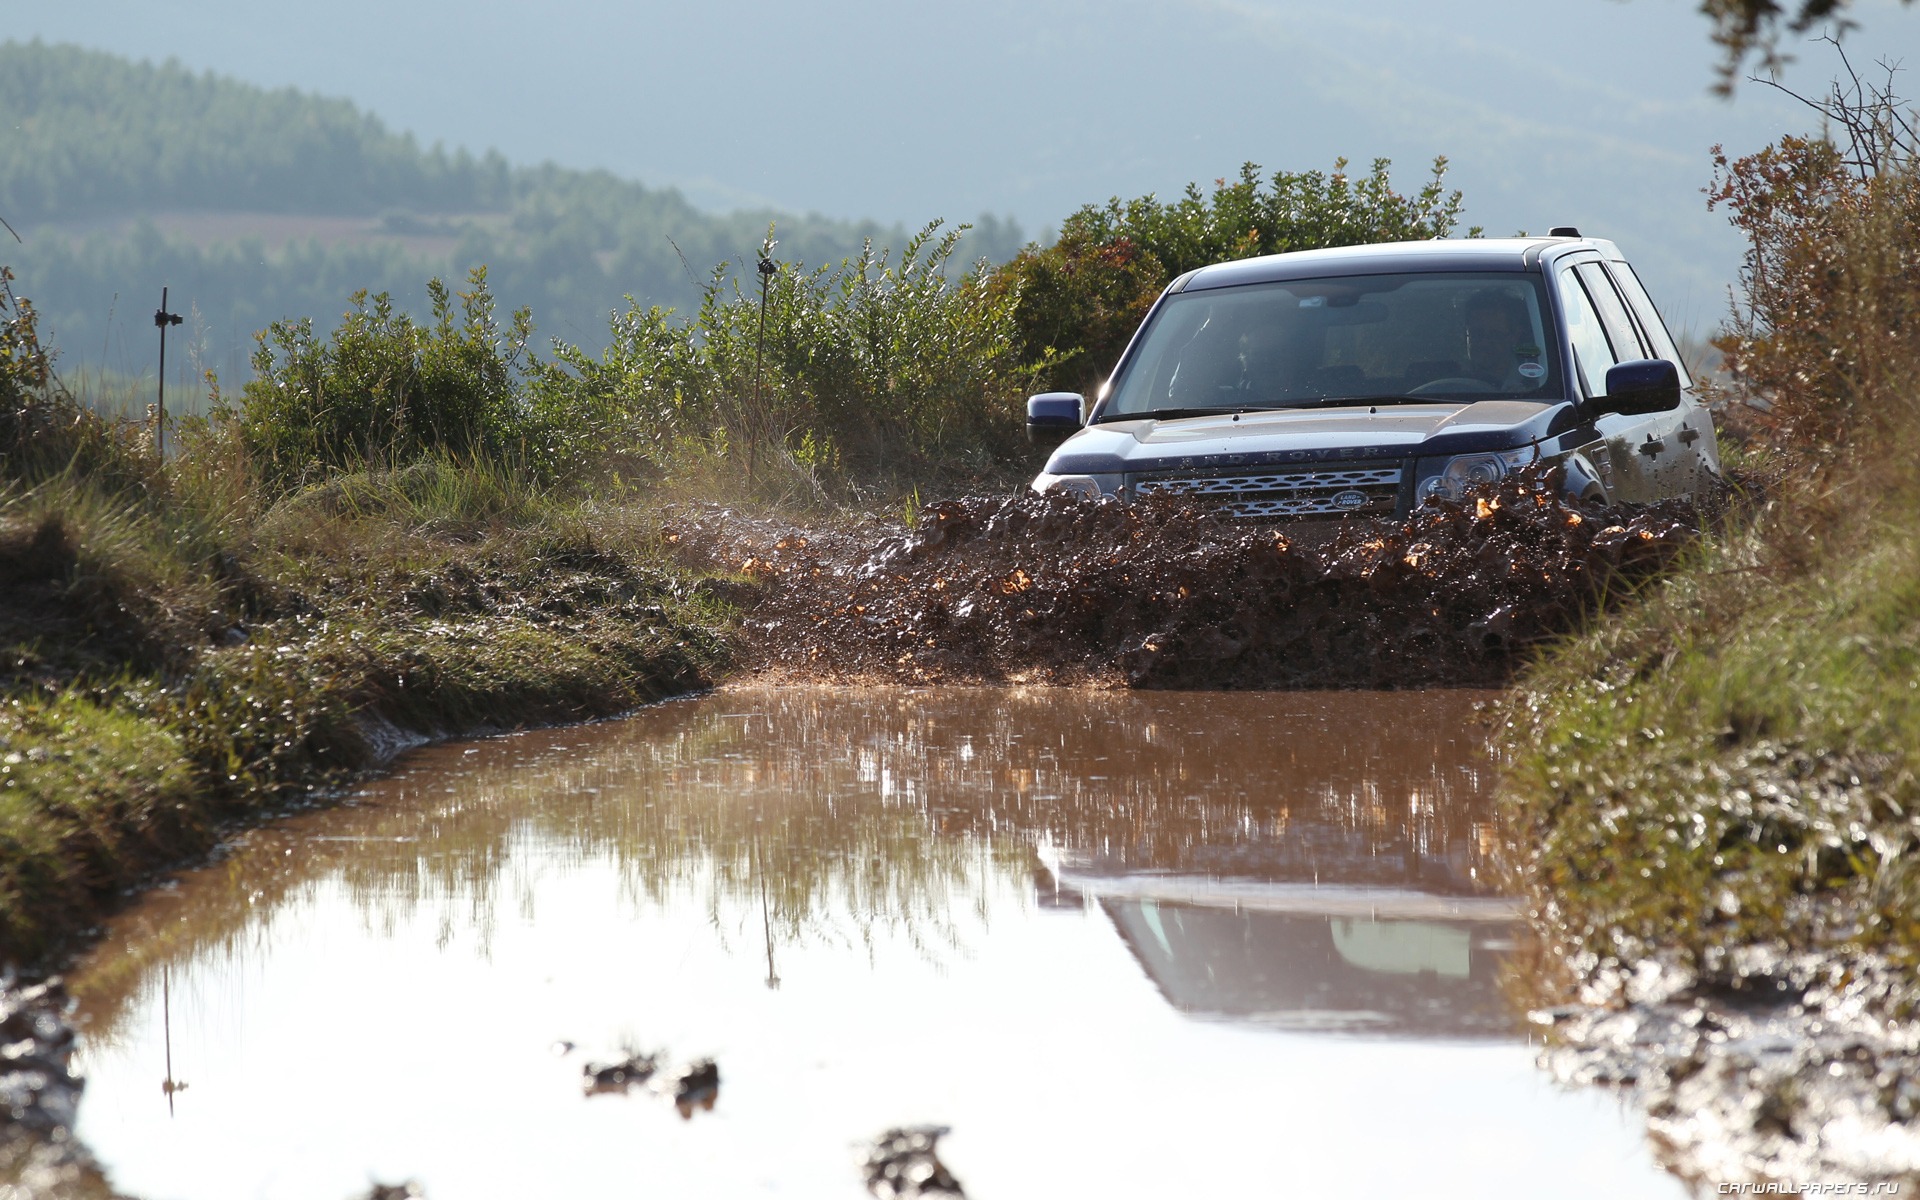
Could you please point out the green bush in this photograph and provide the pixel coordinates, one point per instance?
(384, 390)
(1079, 300)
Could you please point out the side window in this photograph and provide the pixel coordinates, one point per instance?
(1643, 307)
(1613, 313)
(1590, 348)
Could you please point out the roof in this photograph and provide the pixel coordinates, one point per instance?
(1387, 258)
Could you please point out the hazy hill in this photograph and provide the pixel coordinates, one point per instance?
(253, 204)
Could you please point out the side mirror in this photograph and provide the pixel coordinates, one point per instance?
(1646, 385)
(1053, 416)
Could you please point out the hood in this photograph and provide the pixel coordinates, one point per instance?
(1267, 439)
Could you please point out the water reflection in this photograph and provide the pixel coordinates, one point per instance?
(873, 908)
(1309, 971)
(841, 817)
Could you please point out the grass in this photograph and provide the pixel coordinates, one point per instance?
(1730, 767)
(87, 788)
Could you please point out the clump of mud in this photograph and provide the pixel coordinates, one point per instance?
(1166, 594)
(905, 1163)
(690, 1085)
(37, 1086)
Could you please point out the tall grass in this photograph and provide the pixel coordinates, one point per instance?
(852, 383)
(870, 377)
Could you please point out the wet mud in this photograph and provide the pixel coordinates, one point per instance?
(1784, 1081)
(1165, 594)
(39, 1093)
(615, 1079)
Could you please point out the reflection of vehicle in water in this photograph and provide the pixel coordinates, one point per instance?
(1343, 881)
(1310, 956)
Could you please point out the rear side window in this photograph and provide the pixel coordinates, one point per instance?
(1613, 313)
(1590, 348)
(1643, 307)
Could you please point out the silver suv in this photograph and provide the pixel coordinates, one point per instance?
(1368, 379)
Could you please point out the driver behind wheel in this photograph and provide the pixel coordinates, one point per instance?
(1502, 351)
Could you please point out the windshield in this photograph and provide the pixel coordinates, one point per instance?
(1374, 339)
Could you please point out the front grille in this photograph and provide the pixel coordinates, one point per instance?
(1274, 494)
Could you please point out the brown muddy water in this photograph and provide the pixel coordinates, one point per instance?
(1125, 944)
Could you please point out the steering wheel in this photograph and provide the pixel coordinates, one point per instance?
(1453, 383)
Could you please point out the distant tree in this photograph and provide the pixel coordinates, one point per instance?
(93, 133)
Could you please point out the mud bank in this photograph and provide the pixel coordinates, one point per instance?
(1163, 595)
(1784, 1079)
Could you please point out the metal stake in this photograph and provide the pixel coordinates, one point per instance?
(163, 318)
(767, 269)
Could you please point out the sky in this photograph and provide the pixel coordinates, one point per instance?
(1595, 113)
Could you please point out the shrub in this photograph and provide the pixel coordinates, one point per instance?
(1831, 323)
(384, 390)
(43, 431)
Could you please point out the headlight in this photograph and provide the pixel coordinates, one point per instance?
(1468, 470)
(1077, 485)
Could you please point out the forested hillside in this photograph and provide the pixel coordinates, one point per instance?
(253, 205)
(92, 134)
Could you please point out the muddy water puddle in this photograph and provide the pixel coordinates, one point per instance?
(1122, 943)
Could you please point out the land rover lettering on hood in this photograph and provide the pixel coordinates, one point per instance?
(1367, 380)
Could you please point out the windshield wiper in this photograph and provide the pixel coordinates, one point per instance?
(1381, 398)
(1172, 414)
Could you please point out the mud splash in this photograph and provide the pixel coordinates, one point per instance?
(1167, 595)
